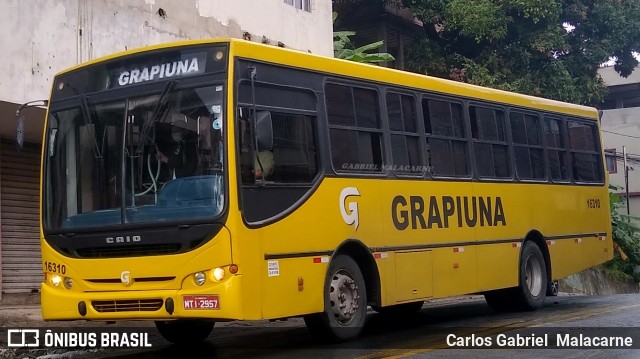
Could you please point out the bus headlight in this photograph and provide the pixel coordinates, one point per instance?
(217, 274)
(55, 280)
(68, 282)
(199, 278)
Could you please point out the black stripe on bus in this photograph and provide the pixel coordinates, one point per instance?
(427, 246)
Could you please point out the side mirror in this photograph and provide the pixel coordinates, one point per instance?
(20, 131)
(20, 120)
(264, 130)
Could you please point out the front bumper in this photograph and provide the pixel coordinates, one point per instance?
(60, 304)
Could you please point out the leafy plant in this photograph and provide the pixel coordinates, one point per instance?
(545, 48)
(343, 48)
(626, 236)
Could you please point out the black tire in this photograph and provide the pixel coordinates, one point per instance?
(552, 288)
(400, 309)
(532, 288)
(185, 331)
(345, 302)
(532, 283)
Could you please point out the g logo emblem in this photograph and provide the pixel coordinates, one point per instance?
(350, 217)
(125, 278)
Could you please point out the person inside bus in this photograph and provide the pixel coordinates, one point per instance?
(179, 151)
(263, 164)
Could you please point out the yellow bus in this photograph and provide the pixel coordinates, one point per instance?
(206, 181)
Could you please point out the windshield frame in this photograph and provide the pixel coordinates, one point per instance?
(122, 94)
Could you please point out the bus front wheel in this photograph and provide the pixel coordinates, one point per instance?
(345, 302)
(185, 331)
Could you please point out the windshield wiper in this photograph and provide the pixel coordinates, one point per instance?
(88, 120)
(161, 107)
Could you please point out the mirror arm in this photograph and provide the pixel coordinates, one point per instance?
(20, 119)
(254, 123)
(34, 103)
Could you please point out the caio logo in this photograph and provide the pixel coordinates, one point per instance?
(349, 207)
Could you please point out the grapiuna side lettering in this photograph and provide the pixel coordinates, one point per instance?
(446, 211)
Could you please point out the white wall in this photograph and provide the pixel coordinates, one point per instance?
(621, 127)
(40, 38)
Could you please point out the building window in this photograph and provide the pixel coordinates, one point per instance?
(300, 4)
(611, 159)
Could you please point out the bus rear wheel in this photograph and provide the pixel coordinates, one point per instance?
(185, 331)
(532, 283)
(345, 302)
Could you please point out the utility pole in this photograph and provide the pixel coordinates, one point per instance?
(626, 177)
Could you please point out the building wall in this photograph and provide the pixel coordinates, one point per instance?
(621, 127)
(40, 38)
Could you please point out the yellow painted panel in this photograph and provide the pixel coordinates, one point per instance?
(498, 266)
(454, 273)
(281, 277)
(413, 275)
(566, 257)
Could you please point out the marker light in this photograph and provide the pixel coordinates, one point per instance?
(68, 282)
(199, 278)
(217, 274)
(55, 280)
(233, 269)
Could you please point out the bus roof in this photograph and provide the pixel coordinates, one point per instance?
(367, 72)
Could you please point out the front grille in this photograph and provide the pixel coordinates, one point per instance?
(141, 279)
(129, 251)
(129, 305)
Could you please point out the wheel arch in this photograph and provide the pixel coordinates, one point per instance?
(363, 257)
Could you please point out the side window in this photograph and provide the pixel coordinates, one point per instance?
(556, 149)
(527, 146)
(293, 157)
(405, 141)
(354, 128)
(490, 142)
(446, 142)
(585, 157)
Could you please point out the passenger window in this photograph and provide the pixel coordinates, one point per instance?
(490, 144)
(354, 128)
(556, 149)
(527, 146)
(585, 158)
(405, 140)
(446, 141)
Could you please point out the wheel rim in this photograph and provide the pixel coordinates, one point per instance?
(533, 273)
(343, 297)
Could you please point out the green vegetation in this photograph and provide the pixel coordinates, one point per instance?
(547, 48)
(344, 49)
(626, 235)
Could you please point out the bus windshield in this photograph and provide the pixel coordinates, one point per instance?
(147, 159)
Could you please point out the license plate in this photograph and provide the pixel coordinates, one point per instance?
(200, 302)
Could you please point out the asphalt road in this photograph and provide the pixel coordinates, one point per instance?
(422, 335)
